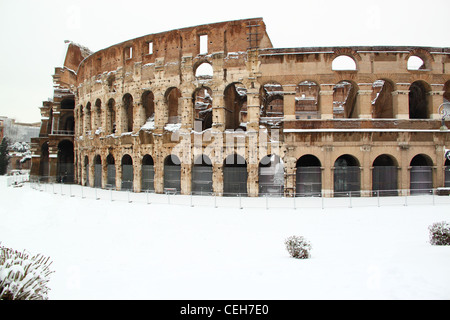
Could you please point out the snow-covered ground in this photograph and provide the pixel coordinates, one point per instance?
(103, 249)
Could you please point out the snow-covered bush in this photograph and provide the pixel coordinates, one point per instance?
(298, 247)
(22, 277)
(440, 233)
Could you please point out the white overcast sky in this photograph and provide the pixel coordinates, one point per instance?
(32, 33)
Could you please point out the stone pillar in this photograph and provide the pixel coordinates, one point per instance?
(326, 101)
(253, 107)
(436, 98)
(400, 101)
(218, 111)
(137, 173)
(91, 173)
(364, 101)
(118, 164)
(289, 102)
(217, 178)
(104, 173)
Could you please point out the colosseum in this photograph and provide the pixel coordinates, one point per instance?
(215, 109)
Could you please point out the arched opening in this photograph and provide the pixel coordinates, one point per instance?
(202, 175)
(202, 108)
(97, 171)
(306, 100)
(234, 175)
(415, 63)
(382, 106)
(347, 176)
(148, 173)
(148, 105)
(308, 177)
(80, 123)
(127, 113)
(44, 169)
(447, 173)
(65, 169)
(127, 173)
(111, 117)
(271, 176)
(172, 101)
(343, 63)
(344, 100)
(204, 71)
(235, 98)
(67, 122)
(98, 115)
(110, 172)
(272, 96)
(384, 176)
(87, 119)
(418, 100)
(421, 175)
(172, 173)
(446, 98)
(86, 170)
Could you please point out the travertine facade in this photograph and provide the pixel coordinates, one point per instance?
(292, 119)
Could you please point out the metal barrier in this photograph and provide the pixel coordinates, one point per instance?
(351, 199)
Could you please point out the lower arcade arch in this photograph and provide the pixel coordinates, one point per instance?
(347, 176)
(308, 177)
(271, 176)
(202, 172)
(421, 174)
(110, 172)
(172, 173)
(65, 168)
(97, 171)
(385, 176)
(127, 173)
(148, 173)
(234, 175)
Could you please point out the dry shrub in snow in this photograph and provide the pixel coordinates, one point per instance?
(298, 247)
(22, 277)
(440, 233)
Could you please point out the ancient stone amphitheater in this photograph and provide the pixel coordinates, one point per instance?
(215, 109)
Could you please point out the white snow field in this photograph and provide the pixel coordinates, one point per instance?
(103, 249)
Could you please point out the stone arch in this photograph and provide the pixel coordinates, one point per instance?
(65, 168)
(419, 59)
(127, 112)
(148, 106)
(86, 169)
(347, 176)
(202, 173)
(127, 172)
(421, 174)
(111, 116)
(271, 175)
(202, 100)
(235, 99)
(272, 99)
(385, 175)
(172, 97)
(203, 70)
(344, 62)
(382, 101)
(419, 100)
(446, 97)
(308, 176)
(110, 172)
(344, 100)
(97, 171)
(172, 173)
(307, 100)
(234, 175)
(87, 118)
(97, 114)
(148, 173)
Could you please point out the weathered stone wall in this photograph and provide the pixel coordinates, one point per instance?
(133, 101)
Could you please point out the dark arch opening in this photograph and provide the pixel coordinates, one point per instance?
(347, 176)
(308, 176)
(234, 175)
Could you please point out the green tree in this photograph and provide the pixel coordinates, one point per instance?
(4, 156)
